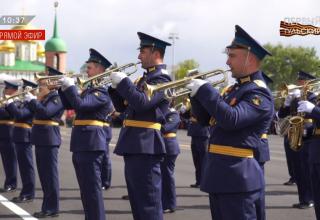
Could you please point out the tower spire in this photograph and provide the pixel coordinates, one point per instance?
(55, 27)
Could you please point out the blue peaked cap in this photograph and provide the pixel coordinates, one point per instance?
(305, 76)
(11, 85)
(149, 41)
(29, 83)
(96, 57)
(243, 40)
(53, 71)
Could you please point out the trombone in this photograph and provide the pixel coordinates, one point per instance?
(166, 87)
(98, 80)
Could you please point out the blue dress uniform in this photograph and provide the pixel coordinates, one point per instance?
(140, 140)
(262, 155)
(22, 140)
(232, 177)
(7, 150)
(314, 160)
(199, 145)
(106, 169)
(88, 139)
(169, 130)
(300, 159)
(46, 137)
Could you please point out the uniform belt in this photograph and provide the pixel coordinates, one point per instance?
(45, 122)
(106, 124)
(22, 125)
(6, 122)
(230, 151)
(169, 135)
(90, 123)
(264, 136)
(142, 124)
(308, 120)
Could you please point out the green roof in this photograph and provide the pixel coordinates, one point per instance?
(24, 66)
(55, 44)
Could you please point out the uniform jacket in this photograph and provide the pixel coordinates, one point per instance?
(171, 126)
(134, 140)
(241, 116)
(91, 104)
(50, 108)
(22, 114)
(6, 130)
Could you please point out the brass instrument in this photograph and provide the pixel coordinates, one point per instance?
(284, 125)
(99, 80)
(53, 80)
(296, 130)
(19, 95)
(166, 87)
(183, 106)
(284, 89)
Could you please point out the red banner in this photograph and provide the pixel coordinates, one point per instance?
(22, 35)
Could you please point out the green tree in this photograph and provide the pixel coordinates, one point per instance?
(182, 68)
(286, 61)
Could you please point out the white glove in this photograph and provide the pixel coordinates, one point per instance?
(9, 101)
(183, 109)
(296, 93)
(116, 78)
(28, 88)
(288, 100)
(66, 82)
(28, 97)
(305, 106)
(194, 86)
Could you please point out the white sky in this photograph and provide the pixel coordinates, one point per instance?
(205, 27)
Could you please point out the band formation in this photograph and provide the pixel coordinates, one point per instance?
(228, 130)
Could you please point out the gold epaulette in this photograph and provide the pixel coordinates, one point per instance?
(260, 83)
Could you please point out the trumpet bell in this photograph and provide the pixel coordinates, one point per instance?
(183, 82)
(80, 82)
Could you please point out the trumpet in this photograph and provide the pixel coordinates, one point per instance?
(19, 95)
(99, 80)
(53, 80)
(166, 87)
(284, 89)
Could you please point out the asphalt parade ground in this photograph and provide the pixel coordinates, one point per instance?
(192, 203)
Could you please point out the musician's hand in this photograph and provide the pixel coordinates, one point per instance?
(9, 101)
(194, 86)
(115, 114)
(183, 109)
(27, 88)
(66, 82)
(116, 78)
(28, 97)
(296, 93)
(193, 119)
(288, 100)
(305, 106)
